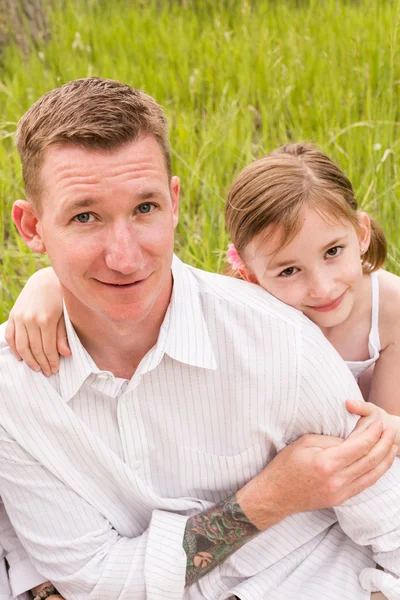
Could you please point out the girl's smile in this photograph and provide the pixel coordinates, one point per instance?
(330, 305)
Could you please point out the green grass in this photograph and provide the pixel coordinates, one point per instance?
(236, 79)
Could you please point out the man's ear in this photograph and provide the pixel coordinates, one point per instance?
(174, 189)
(25, 219)
(247, 276)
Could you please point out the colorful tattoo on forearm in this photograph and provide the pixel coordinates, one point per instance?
(212, 536)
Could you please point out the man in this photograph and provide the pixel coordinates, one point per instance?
(138, 470)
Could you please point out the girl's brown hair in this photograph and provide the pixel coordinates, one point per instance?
(274, 189)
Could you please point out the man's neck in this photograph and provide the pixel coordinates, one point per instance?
(117, 347)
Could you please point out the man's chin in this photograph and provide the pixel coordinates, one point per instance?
(125, 313)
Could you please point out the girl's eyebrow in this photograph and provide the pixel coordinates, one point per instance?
(285, 262)
(334, 242)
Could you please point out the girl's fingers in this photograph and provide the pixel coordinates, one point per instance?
(49, 342)
(23, 347)
(359, 408)
(10, 338)
(371, 477)
(368, 413)
(355, 448)
(379, 452)
(36, 347)
(62, 339)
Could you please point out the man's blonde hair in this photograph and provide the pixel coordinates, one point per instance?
(275, 189)
(93, 113)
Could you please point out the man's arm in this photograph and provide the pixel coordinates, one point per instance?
(314, 472)
(22, 576)
(78, 549)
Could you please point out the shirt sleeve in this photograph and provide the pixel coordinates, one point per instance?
(71, 543)
(21, 573)
(76, 548)
(371, 518)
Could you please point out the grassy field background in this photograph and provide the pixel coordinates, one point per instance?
(237, 79)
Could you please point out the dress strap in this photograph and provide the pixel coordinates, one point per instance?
(374, 337)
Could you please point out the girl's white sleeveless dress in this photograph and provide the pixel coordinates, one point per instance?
(357, 367)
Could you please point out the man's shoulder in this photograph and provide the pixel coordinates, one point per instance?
(4, 347)
(232, 291)
(8, 363)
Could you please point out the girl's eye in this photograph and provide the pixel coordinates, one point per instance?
(335, 251)
(83, 217)
(146, 208)
(288, 272)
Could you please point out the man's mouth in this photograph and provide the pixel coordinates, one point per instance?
(121, 285)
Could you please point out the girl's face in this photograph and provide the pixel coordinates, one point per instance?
(319, 272)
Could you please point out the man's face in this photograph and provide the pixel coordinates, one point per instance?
(107, 224)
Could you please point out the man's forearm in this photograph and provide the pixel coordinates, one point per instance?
(210, 537)
(299, 479)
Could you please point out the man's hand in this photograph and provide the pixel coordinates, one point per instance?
(317, 472)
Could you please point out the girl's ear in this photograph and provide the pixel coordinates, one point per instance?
(25, 219)
(247, 276)
(364, 231)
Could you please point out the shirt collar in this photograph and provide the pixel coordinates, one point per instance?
(75, 369)
(187, 339)
(183, 336)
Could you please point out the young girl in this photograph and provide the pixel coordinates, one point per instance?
(296, 231)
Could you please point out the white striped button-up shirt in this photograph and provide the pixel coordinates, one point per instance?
(17, 575)
(99, 474)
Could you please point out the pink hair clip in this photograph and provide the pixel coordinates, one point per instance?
(233, 258)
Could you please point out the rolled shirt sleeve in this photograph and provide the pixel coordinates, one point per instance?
(76, 548)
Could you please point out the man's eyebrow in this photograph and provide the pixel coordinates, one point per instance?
(285, 263)
(77, 204)
(146, 194)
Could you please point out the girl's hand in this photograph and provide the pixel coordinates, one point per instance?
(369, 413)
(36, 329)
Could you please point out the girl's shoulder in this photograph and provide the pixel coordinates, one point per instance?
(389, 307)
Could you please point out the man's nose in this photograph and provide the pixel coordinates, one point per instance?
(321, 285)
(123, 252)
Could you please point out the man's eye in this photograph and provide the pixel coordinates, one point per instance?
(288, 272)
(335, 251)
(146, 208)
(83, 217)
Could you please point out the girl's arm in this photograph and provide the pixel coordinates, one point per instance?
(383, 382)
(36, 330)
(384, 391)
